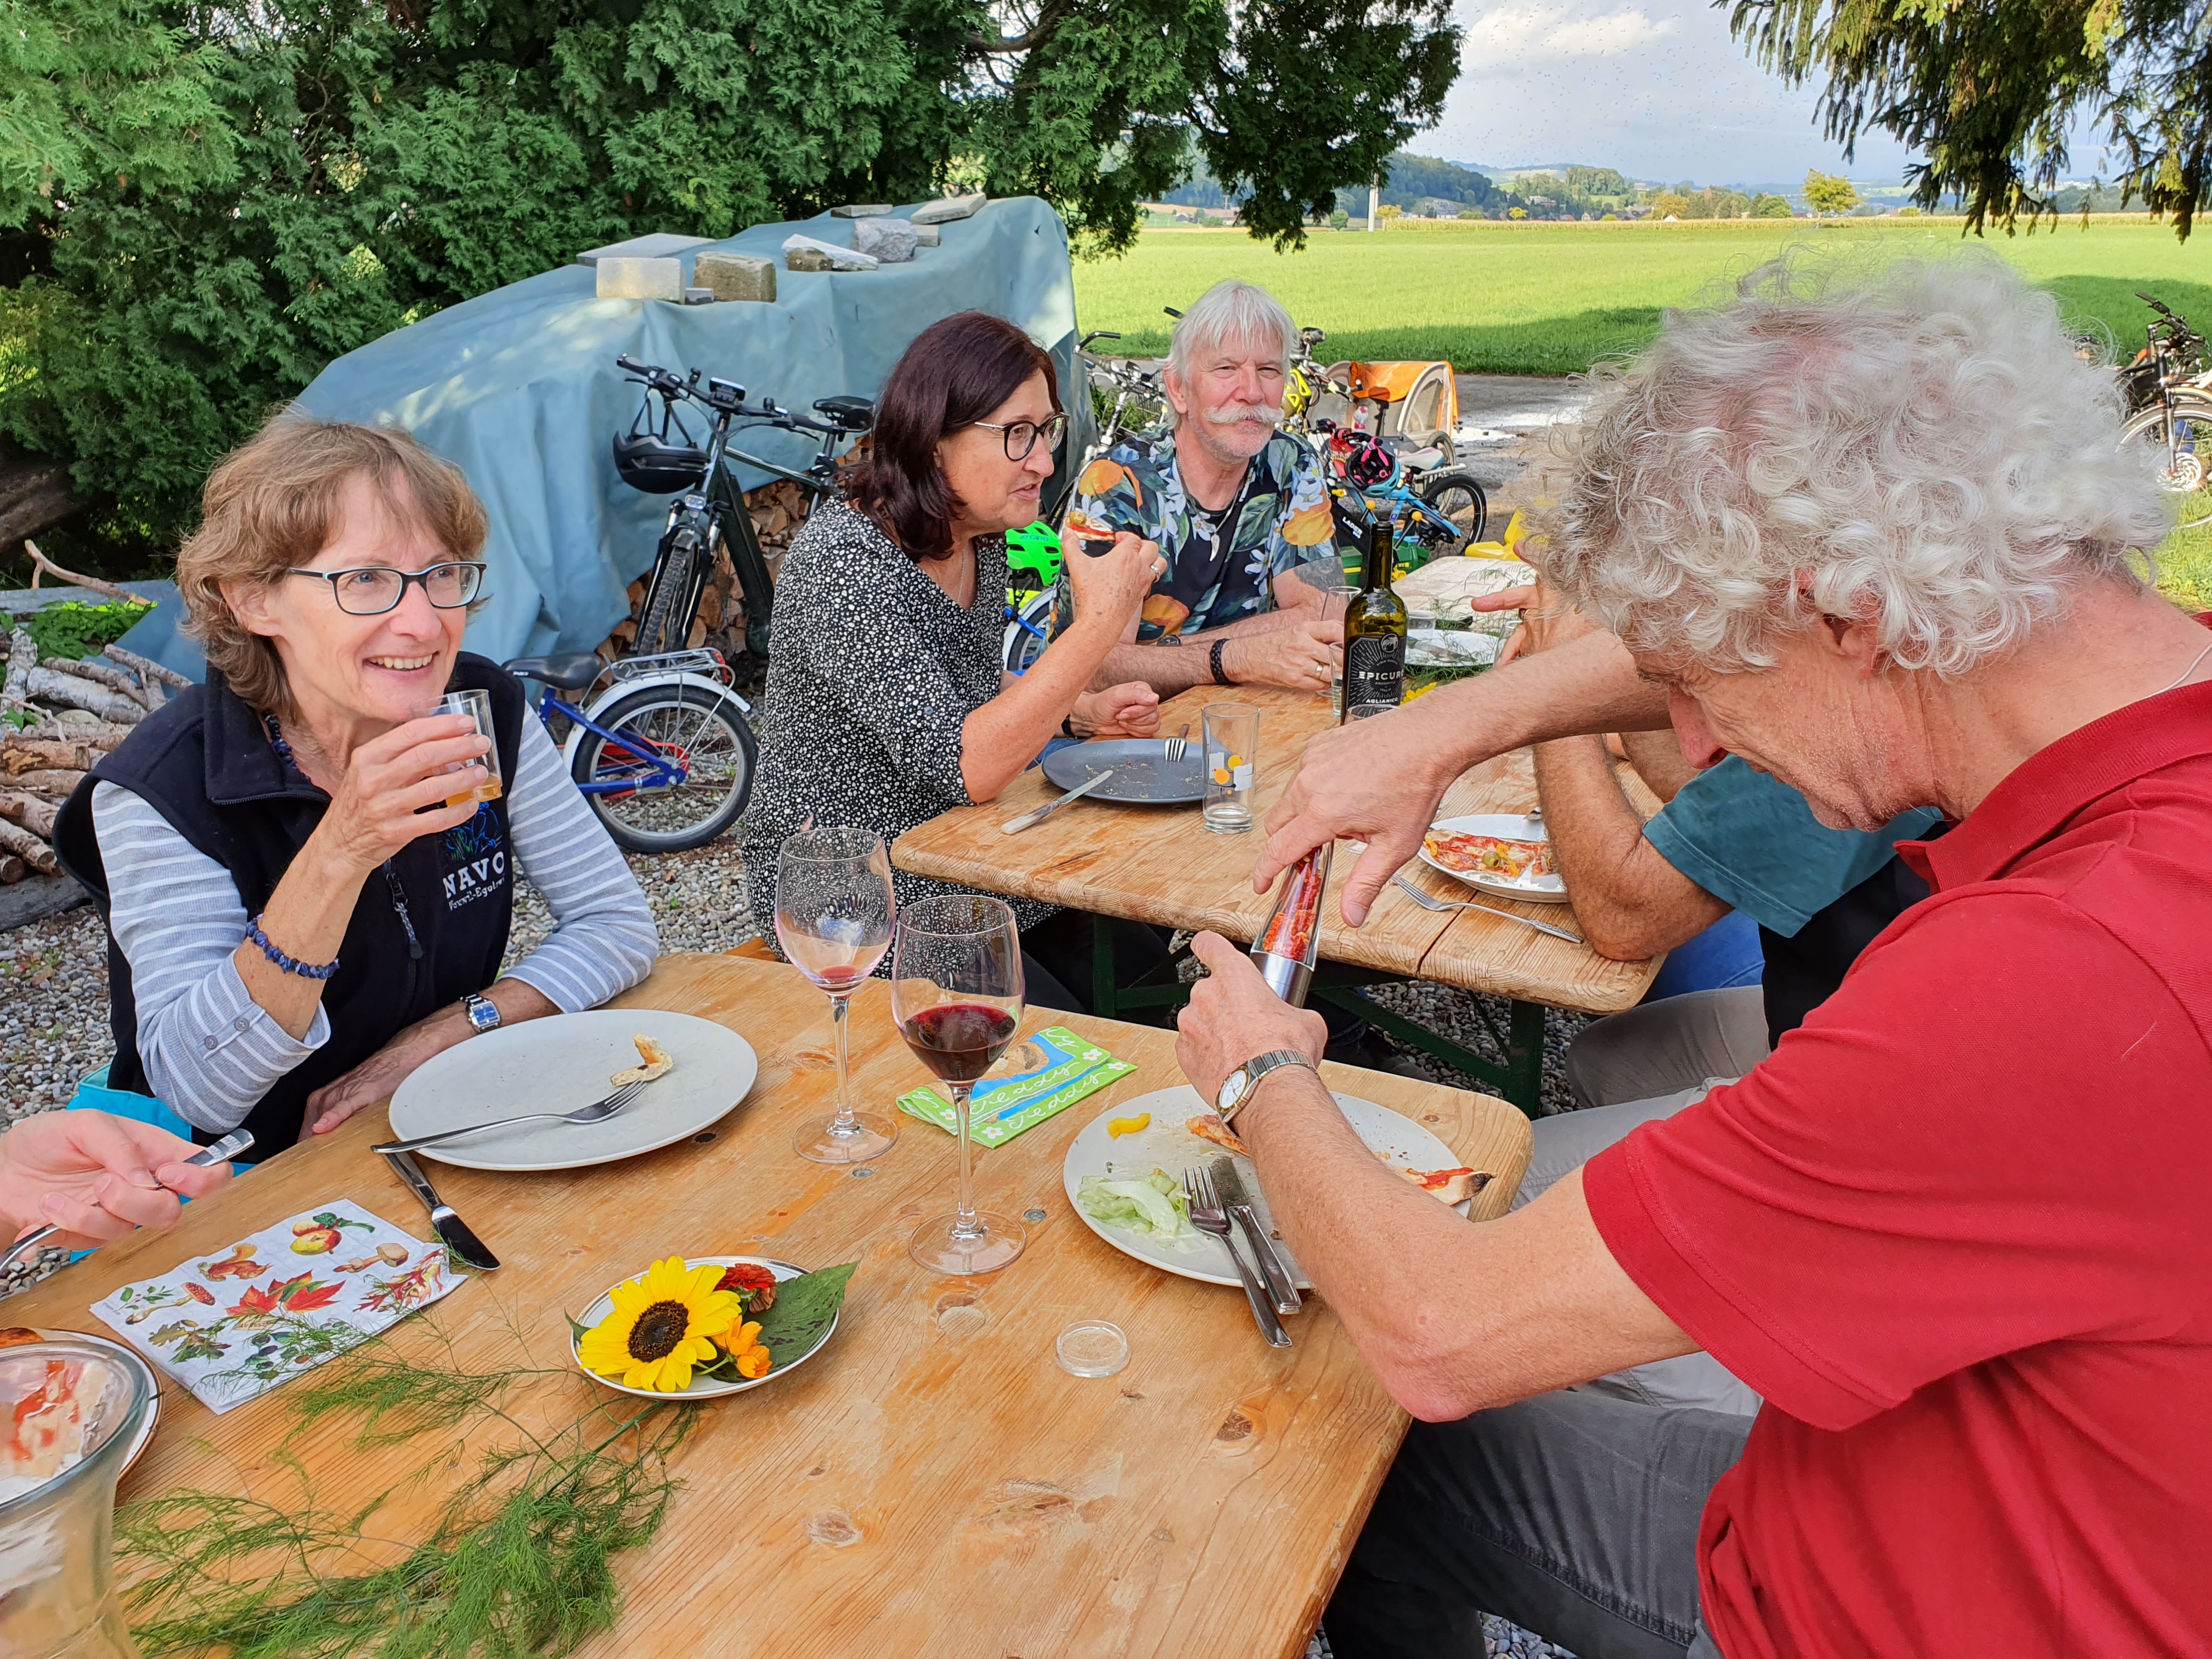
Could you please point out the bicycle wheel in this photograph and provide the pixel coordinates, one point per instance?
(1457, 494)
(2182, 469)
(694, 729)
(660, 627)
(1028, 631)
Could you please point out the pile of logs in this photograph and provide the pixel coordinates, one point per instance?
(61, 717)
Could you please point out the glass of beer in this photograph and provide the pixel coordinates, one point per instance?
(477, 705)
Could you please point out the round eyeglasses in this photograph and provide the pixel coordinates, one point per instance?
(372, 590)
(1021, 436)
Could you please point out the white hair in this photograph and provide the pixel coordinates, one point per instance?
(1229, 310)
(1918, 437)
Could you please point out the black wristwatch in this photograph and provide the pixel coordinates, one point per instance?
(1213, 661)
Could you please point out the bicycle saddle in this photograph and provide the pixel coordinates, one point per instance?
(657, 466)
(853, 414)
(568, 671)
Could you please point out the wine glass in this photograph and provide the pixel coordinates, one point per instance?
(834, 910)
(957, 995)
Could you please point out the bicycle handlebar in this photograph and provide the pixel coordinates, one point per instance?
(723, 397)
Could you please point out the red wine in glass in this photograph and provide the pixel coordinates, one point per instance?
(959, 1041)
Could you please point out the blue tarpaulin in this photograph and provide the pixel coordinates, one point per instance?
(519, 388)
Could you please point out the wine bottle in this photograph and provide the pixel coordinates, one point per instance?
(1289, 944)
(1374, 633)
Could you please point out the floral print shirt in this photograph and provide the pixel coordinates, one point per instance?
(1217, 570)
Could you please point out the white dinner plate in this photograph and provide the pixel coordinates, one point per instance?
(1505, 826)
(1168, 1146)
(564, 1061)
(702, 1388)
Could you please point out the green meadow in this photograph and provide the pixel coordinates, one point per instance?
(1550, 299)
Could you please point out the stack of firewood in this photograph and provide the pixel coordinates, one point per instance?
(60, 718)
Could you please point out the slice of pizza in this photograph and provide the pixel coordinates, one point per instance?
(657, 1061)
(1450, 1185)
(1208, 1126)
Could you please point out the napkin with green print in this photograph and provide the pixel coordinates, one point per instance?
(1052, 1070)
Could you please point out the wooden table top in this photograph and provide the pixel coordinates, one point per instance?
(928, 1485)
(1159, 864)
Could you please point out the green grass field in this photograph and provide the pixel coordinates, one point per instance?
(1548, 299)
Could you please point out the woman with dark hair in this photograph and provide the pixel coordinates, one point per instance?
(887, 701)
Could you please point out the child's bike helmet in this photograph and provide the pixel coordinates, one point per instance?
(1033, 556)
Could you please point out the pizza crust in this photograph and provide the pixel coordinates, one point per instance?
(657, 1059)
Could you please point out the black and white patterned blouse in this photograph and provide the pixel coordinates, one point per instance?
(872, 670)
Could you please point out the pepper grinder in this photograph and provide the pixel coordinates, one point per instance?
(1289, 944)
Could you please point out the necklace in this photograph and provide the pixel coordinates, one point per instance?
(2186, 673)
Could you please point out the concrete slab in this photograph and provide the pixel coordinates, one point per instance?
(660, 244)
(1518, 402)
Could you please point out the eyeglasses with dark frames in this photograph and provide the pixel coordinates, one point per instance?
(1021, 436)
(372, 590)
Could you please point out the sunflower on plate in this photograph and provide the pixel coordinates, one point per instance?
(664, 1323)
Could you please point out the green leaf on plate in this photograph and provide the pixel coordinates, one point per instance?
(804, 1309)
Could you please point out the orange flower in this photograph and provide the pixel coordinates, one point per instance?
(1102, 475)
(746, 1347)
(1165, 613)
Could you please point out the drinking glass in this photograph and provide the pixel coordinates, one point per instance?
(834, 910)
(957, 995)
(1336, 590)
(477, 705)
(1231, 734)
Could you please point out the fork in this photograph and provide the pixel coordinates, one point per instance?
(598, 1111)
(1208, 1217)
(1177, 744)
(1428, 903)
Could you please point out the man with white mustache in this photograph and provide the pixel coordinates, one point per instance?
(1239, 511)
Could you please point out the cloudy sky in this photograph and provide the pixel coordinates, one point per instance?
(1655, 87)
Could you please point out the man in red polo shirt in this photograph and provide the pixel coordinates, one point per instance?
(1954, 1231)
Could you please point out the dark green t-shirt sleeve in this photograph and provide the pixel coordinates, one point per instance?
(1751, 841)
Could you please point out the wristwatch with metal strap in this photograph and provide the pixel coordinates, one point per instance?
(1237, 1088)
(482, 1012)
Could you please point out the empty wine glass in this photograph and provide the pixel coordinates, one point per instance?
(833, 912)
(957, 995)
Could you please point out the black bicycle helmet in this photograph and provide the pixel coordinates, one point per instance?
(657, 466)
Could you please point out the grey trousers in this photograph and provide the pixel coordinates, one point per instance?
(1650, 1062)
(1573, 1514)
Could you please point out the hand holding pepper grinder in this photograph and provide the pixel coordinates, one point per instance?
(1289, 944)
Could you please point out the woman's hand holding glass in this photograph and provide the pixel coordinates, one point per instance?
(1114, 586)
(376, 810)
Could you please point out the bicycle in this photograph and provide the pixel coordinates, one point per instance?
(2168, 389)
(665, 756)
(711, 507)
(1438, 510)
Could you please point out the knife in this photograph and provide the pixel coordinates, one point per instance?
(1030, 820)
(1230, 1191)
(448, 1226)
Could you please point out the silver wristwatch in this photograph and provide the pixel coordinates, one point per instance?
(1237, 1088)
(483, 1012)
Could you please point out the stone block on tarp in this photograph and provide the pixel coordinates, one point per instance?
(640, 279)
(860, 210)
(806, 253)
(735, 276)
(660, 244)
(890, 241)
(947, 210)
(926, 235)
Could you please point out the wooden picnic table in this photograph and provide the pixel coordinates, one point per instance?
(1159, 864)
(931, 1483)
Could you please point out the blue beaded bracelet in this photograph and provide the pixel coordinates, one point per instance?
(305, 971)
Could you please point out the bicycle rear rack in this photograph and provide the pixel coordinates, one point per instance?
(705, 660)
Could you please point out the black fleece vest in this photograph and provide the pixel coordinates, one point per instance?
(428, 927)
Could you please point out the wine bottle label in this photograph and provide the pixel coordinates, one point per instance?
(1374, 669)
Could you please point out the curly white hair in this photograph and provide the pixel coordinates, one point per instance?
(1918, 436)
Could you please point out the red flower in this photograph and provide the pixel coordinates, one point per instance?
(756, 1285)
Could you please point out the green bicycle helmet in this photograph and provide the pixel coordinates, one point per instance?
(1033, 556)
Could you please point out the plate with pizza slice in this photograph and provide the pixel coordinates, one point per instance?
(1171, 1130)
(1500, 852)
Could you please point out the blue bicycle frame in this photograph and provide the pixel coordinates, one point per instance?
(648, 772)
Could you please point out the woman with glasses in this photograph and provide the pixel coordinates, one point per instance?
(306, 899)
(887, 700)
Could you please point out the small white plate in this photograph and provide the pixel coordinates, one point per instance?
(564, 1061)
(1505, 826)
(1168, 1146)
(702, 1388)
(145, 1435)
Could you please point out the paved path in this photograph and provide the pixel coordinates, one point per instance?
(1502, 422)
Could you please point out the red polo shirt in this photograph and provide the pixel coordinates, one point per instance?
(1958, 1231)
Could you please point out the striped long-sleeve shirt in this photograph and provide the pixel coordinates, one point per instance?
(211, 1052)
